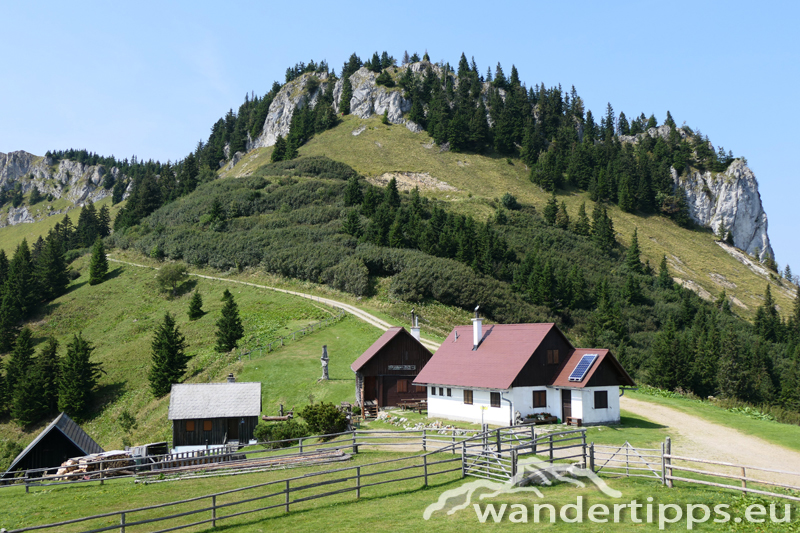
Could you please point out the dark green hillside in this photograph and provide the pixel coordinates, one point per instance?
(314, 220)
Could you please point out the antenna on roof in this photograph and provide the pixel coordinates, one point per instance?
(456, 337)
(476, 310)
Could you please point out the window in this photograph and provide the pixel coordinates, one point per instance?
(539, 398)
(494, 399)
(468, 397)
(441, 391)
(552, 357)
(601, 399)
(190, 425)
(433, 391)
(402, 385)
(449, 392)
(420, 388)
(207, 425)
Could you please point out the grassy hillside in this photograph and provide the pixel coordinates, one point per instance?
(119, 315)
(693, 255)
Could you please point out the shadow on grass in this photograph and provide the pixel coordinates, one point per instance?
(185, 288)
(75, 286)
(629, 422)
(114, 273)
(107, 394)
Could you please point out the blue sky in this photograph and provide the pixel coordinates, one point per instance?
(150, 78)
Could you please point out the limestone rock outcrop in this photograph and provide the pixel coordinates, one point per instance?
(730, 199)
(372, 99)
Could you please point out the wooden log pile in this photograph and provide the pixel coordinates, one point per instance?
(89, 466)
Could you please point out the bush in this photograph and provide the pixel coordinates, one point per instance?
(291, 429)
(324, 418)
(509, 202)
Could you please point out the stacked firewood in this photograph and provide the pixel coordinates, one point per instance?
(90, 465)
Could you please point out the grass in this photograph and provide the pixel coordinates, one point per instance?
(785, 435)
(481, 180)
(392, 507)
(119, 315)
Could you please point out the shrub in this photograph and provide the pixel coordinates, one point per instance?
(291, 429)
(324, 418)
(509, 202)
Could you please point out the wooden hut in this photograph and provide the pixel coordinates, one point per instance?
(61, 440)
(385, 371)
(213, 414)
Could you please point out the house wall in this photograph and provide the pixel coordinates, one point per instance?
(401, 358)
(219, 430)
(454, 408)
(523, 401)
(588, 413)
(537, 372)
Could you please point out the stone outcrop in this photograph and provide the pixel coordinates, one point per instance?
(730, 199)
(76, 182)
(371, 99)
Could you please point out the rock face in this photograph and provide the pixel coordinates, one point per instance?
(730, 199)
(73, 181)
(371, 99)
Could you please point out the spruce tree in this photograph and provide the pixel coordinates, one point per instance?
(196, 306)
(9, 320)
(19, 362)
(229, 325)
(78, 378)
(664, 277)
(98, 268)
(582, 226)
(347, 95)
(352, 224)
(50, 270)
(391, 195)
(352, 193)
(279, 150)
(47, 367)
(632, 259)
(562, 218)
(104, 221)
(169, 359)
(551, 211)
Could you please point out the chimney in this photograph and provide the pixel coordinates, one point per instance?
(414, 325)
(477, 329)
(231, 379)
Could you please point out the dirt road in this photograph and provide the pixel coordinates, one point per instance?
(355, 311)
(697, 438)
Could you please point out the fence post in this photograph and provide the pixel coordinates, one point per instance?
(744, 481)
(513, 464)
(358, 482)
(463, 459)
(627, 459)
(213, 511)
(663, 469)
(499, 442)
(584, 449)
(121, 522)
(551, 448)
(424, 440)
(668, 463)
(355, 444)
(301, 444)
(591, 457)
(287, 496)
(425, 468)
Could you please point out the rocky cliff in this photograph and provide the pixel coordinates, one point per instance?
(76, 182)
(730, 199)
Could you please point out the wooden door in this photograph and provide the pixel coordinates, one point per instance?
(233, 429)
(370, 388)
(566, 404)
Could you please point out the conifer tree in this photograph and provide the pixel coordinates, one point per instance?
(98, 268)
(279, 150)
(664, 277)
(78, 378)
(47, 367)
(104, 221)
(196, 306)
(632, 259)
(767, 321)
(50, 270)
(169, 359)
(9, 319)
(392, 196)
(562, 218)
(582, 226)
(120, 186)
(352, 193)
(19, 362)
(347, 94)
(352, 224)
(229, 325)
(550, 211)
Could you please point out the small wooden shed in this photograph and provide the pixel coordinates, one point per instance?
(385, 371)
(214, 413)
(59, 441)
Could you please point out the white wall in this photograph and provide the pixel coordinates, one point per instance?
(454, 408)
(591, 415)
(523, 401)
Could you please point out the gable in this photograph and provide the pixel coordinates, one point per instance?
(537, 371)
(396, 352)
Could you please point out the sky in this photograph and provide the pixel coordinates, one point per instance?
(151, 78)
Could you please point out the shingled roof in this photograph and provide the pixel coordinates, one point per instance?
(69, 429)
(214, 400)
(378, 345)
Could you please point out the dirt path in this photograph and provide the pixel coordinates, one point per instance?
(355, 311)
(697, 438)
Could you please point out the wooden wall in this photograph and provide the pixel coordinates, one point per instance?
(219, 429)
(536, 371)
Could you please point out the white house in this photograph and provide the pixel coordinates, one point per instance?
(489, 374)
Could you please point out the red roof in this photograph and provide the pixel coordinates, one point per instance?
(503, 352)
(382, 341)
(501, 356)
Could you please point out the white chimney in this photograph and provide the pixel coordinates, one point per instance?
(231, 379)
(414, 325)
(477, 329)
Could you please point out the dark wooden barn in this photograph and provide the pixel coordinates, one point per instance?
(63, 439)
(213, 414)
(385, 371)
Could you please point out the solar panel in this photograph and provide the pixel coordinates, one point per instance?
(583, 367)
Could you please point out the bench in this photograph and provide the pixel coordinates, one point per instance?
(572, 421)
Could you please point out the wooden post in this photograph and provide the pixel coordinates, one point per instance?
(499, 442)
(668, 463)
(463, 459)
(355, 443)
(287, 496)
(744, 481)
(358, 482)
(424, 440)
(301, 444)
(425, 468)
(533, 439)
(121, 522)
(551, 448)
(663, 469)
(591, 457)
(585, 461)
(213, 511)
(514, 464)
(627, 448)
